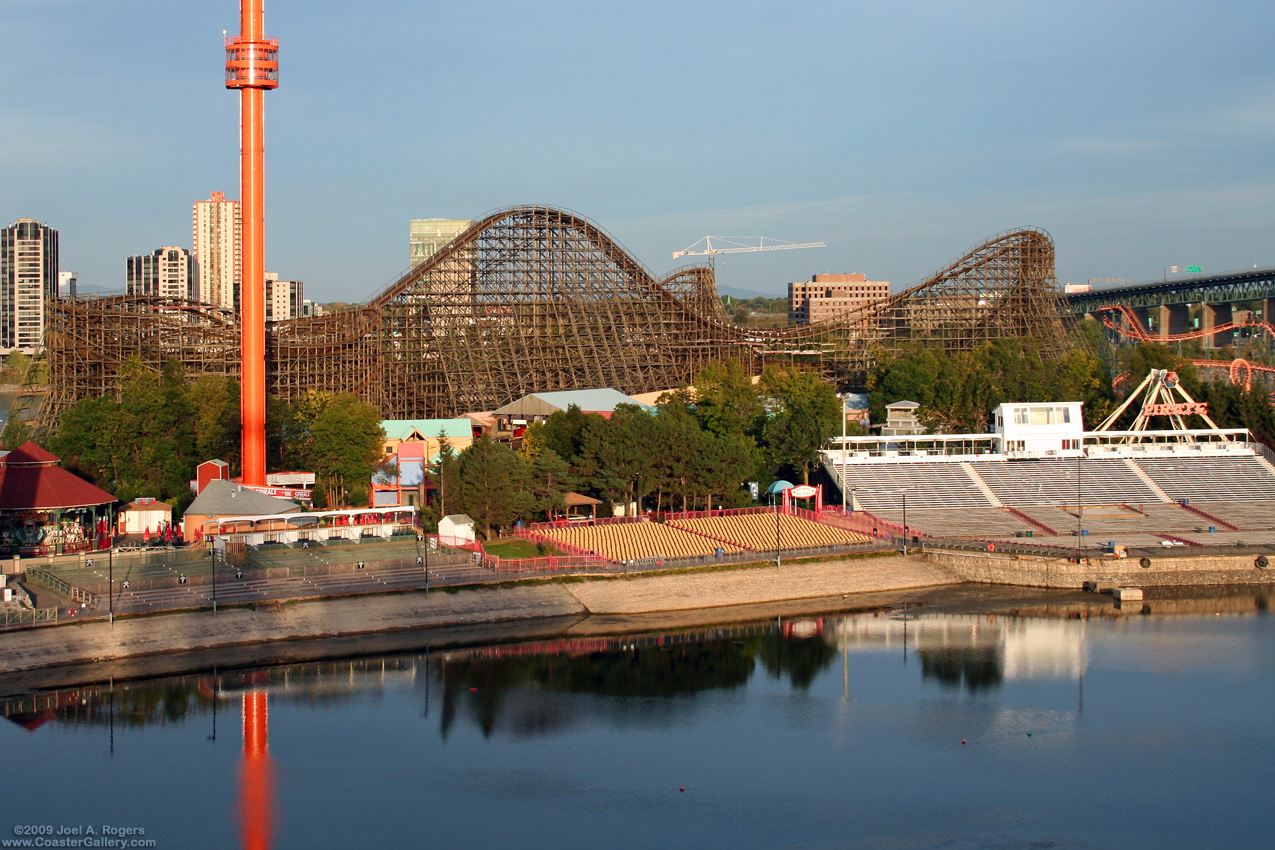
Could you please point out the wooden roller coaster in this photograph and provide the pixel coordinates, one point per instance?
(532, 299)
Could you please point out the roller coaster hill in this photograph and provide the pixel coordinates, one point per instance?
(532, 299)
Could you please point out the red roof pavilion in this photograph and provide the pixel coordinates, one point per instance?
(31, 480)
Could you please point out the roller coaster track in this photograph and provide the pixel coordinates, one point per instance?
(536, 298)
(1120, 319)
(1132, 327)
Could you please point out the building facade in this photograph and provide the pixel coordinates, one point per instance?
(285, 299)
(28, 274)
(167, 273)
(218, 266)
(831, 296)
(68, 283)
(428, 235)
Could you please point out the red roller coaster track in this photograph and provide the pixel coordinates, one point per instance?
(1239, 371)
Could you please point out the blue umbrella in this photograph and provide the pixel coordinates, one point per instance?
(779, 487)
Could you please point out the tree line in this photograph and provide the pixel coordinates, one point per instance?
(149, 439)
(695, 450)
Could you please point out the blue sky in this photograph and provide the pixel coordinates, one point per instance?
(1139, 134)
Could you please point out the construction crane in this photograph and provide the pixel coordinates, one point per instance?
(739, 245)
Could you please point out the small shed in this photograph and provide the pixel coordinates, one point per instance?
(144, 514)
(456, 527)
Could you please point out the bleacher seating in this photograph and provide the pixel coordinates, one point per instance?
(928, 484)
(1052, 481)
(634, 541)
(757, 531)
(1220, 478)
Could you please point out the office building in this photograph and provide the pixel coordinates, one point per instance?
(167, 273)
(831, 296)
(218, 265)
(28, 274)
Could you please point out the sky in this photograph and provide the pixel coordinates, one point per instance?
(902, 134)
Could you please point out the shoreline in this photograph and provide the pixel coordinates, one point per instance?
(336, 627)
(277, 631)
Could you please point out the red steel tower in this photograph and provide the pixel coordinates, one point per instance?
(252, 66)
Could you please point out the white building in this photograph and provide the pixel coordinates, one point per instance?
(428, 235)
(28, 274)
(1041, 429)
(166, 272)
(68, 282)
(218, 265)
(285, 299)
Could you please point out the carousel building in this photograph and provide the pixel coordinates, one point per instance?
(45, 510)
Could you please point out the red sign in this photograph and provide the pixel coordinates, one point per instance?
(1185, 408)
(802, 491)
(284, 492)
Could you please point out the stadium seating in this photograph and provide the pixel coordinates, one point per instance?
(758, 531)
(635, 541)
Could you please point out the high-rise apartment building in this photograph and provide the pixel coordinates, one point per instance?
(28, 274)
(831, 296)
(167, 273)
(218, 264)
(430, 234)
(285, 299)
(68, 282)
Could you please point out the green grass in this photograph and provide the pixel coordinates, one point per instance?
(517, 548)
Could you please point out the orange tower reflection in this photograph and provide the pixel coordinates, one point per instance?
(252, 67)
(256, 775)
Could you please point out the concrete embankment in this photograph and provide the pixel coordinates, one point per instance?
(264, 634)
(1027, 571)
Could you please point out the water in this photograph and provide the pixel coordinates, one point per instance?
(861, 730)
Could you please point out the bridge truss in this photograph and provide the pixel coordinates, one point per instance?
(534, 299)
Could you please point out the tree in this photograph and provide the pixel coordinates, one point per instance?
(493, 486)
(346, 442)
(726, 402)
(548, 476)
(804, 413)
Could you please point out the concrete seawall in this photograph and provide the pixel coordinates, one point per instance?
(97, 642)
(1027, 571)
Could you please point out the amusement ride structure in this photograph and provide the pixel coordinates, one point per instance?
(532, 299)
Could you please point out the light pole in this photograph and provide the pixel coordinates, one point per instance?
(905, 525)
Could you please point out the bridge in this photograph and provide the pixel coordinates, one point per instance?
(1219, 309)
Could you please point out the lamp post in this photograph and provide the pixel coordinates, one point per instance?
(905, 524)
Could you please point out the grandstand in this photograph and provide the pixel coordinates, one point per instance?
(763, 531)
(1040, 475)
(635, 541)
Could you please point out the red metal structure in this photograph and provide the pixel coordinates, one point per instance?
(252, 66)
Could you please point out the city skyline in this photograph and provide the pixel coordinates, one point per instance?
(1137, 135)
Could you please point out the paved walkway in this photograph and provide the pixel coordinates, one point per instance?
(95, 642)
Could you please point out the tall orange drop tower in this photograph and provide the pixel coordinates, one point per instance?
(252, 66)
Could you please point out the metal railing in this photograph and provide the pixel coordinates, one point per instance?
(54, 583)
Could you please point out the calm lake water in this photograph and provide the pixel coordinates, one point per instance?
(859, 730)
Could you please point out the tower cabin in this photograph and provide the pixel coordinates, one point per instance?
(1039, 429)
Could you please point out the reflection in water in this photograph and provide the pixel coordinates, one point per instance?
(775, 739)
(256, 777)
(978, 668)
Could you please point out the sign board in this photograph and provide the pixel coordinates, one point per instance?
(297, 493)
(1192, 269)
(1183, 409)
(802, 491)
